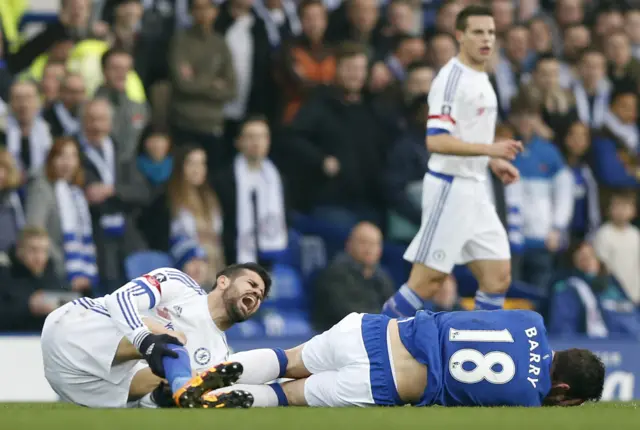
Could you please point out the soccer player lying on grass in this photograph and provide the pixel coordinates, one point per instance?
(92, 348)
(480, 358)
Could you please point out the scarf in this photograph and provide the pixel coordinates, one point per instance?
(104, 162)
(626, 133)
(600, 105)
(156, 172)
(260, 200)
(183, 239)
(77, 234)
(506, 83)
(69, 123)
(39, 143)
(290, 14)
(595, 324)
(14, 202)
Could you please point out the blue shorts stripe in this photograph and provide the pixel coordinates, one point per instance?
(429, 237)
(145, 290)
(374, 336)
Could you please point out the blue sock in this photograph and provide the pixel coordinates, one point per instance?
(489, 301)
(282, 398)
(404, 303)
(177, 370)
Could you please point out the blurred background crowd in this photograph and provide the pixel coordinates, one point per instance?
(194, 134)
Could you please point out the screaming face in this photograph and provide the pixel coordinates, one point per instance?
(244, 296)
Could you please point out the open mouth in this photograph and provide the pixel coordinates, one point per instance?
(248, 303)
(485, 50)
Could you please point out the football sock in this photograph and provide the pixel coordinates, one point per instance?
(489, 301)
(177, 370)
(261, 365)
(404, 303)
(264, 396)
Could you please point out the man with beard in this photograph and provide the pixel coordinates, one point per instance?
(113, 351)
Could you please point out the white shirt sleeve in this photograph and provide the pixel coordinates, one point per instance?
(445, 99)
(146, 292)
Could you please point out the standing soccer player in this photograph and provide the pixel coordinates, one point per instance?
(459, 222)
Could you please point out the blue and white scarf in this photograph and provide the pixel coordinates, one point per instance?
(596, 118)
(183, 238)
(113, 223)
(39, 143)
(77, 233)
(69, 123)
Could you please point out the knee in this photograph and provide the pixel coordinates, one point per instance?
(498, 281)
(295, 364)
(426, 282)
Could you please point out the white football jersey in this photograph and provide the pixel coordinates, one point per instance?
(174, 299)
(462, 102)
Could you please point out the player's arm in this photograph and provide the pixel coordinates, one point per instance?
(445, 102)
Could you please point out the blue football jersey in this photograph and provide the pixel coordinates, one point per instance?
(493, 358)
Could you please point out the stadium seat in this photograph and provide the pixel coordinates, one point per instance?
(287, 291)
(250, 329)
(287, 324)
(144, 262)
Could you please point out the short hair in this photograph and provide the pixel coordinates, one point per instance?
(254, 118)
(582, 370)
(469, 11)
(626, 87)
(31, 232)
(545, 57)
(56, 149)
(590, 51)
(349, 49)
(400, 38)
(305, 4)
(110, 53)
(13, 173)
(445, 35)
(515, 27)
(523, 104)
(235, 270)
(419, 64)
(628, 195)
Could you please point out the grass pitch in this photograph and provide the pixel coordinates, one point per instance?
(54, 416)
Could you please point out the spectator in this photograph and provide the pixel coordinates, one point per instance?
(446, 18)
(353, 281)
(615, 147)
(575, 144)
(27, 135)
(442, 48)
(56, 202)
(608, 20)
(337, 145)
(406, 166)
(568, 13)
(503, 12)
(512, 66)
(402, 100)
(541, 37)
(591, 302)
(400, 20)
(632, 28)
(63, 116)
(577, 38)
(129, 116)
(50, 84)
(622, 66)
(186, 221)
(592, 90)
(280, 17)
(11, 211)
(307, 60)
(556, 103)
(406, 49)
(548, 189)
(126, 28)
(252, 197)
(617, 243)
(253, 86)
(115, 191)
(361, 25)
(155, 162)
(29, 288)
(201, 84)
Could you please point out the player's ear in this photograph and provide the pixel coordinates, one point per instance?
(560, 387)
(223, 282)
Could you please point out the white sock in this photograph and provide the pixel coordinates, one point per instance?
(263, 395)
(261, 365)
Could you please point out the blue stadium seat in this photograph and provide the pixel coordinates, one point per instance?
(287, 324)
(143, 262)
(287, 291)
(250, 329)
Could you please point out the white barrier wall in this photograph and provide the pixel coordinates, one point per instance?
(21, 374)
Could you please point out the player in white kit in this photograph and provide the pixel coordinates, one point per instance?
(113, 351)
(459, 222)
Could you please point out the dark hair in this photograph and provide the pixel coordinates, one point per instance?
(254, 118)
(349, 49)
(469, 11)
(545, 57)
(400, 38)
(589, 51)
(624, 88)
(582, 370)
(304, 4)
(624, 194)
(517, 27)
(110, 53)
(420, 64)
(523, 104)
(235, 270)
(445, 35)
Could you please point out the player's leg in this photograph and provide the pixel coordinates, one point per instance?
(437, 245)
(489, 259)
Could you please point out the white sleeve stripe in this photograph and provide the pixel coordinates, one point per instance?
(452, 84)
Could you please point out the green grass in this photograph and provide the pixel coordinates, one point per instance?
(39, 416)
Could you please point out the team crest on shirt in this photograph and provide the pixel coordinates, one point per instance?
(160, 277)
(446, 110)
(439, 255)
(202, 356)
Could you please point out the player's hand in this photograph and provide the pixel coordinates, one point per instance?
(507, 149)
(156, 346)
(505, 171)
(553, 240)
(80, 284)
(331, 166)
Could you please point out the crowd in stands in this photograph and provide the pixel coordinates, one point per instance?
(292, 133)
